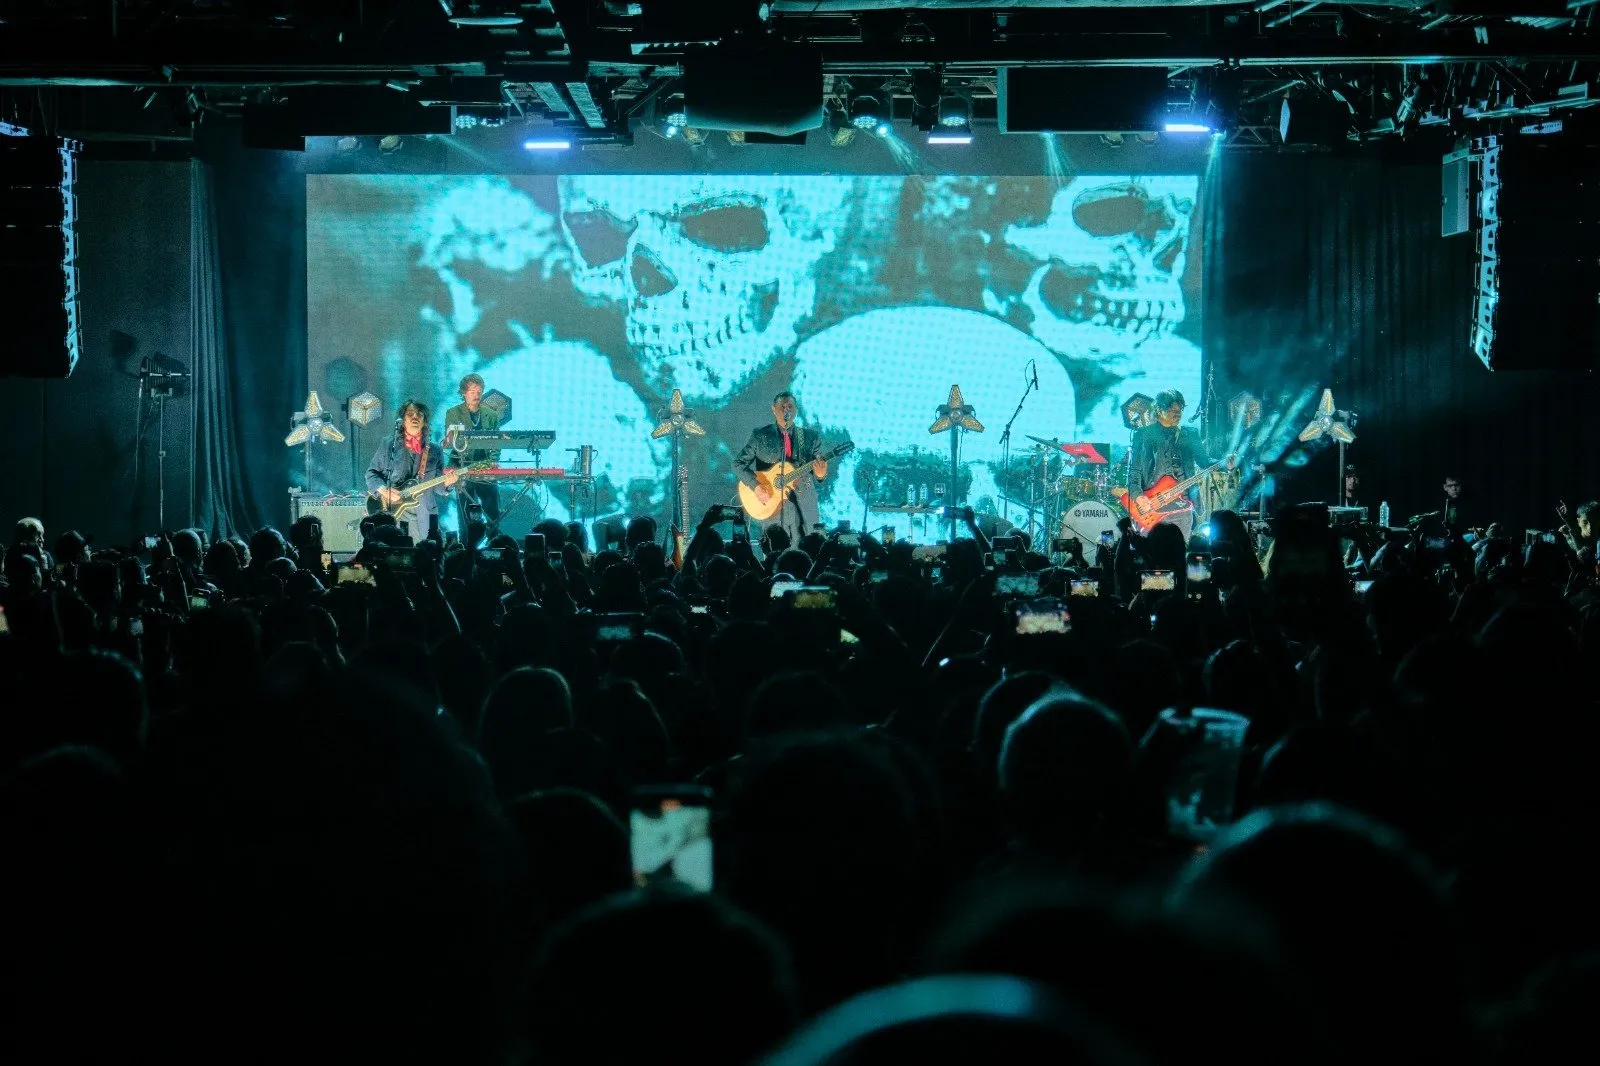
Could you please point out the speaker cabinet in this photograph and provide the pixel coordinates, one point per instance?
(340, 516)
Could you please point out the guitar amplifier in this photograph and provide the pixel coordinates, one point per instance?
(341, 518)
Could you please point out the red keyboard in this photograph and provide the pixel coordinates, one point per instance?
(517, 473)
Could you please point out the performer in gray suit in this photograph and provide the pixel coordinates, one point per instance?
(783, 441)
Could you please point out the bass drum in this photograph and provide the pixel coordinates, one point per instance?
(1087, 520)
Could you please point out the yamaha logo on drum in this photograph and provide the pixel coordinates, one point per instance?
(1094, 512)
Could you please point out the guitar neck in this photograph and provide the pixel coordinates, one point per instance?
(1185, 485)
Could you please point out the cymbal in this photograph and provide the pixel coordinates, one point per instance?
(1047, 443)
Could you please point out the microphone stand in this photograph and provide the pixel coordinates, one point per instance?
(1005, 448)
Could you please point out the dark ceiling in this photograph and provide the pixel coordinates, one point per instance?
(153, 69)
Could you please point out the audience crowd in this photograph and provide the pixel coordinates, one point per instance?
(264, 805)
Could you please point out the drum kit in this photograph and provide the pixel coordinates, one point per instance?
(1066, 489)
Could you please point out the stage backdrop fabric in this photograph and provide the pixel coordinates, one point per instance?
(1331, 273)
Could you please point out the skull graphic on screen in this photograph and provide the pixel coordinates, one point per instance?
(713, 273)
(1111, 260)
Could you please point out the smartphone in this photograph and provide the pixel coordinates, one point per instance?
(669, 836)
(1043, 616)
(888, 534)
(1063, 545)
(699, 608)
(327, 560)
(1017, 585)
(1085, 586)
(1156, 581)
(5, 627)
(400, 560)
(533, 545)
(727, 512)
(616, 628)
(936, 574)
(1199, 568)
(780, 589)
(134, 628)
(849, 540)
(354, 574)
(554, 558)
(1202, 794)
(1361, 587)
(491, 555)
(814, 598)
(199, 603)
(1108, 538)
(878, 577)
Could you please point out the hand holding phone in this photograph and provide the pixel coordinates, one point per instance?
(669, 831)
(1202, 791)
(1156, 581)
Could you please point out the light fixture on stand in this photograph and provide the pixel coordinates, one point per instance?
(362, 410)
(309, 427)
(1336, 424)
(678, 423)
(956, 417)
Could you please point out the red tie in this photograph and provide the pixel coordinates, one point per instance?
(788, 446)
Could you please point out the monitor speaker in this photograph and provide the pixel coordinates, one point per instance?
(340, 516)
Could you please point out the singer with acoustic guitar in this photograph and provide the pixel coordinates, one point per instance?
(772, 471)
(407, 477)
(1167, 461)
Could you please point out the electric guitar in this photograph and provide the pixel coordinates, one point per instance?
(411, 492)
(1154, 505)
(779, 481)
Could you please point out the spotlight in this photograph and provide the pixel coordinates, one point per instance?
(884, 129)
(950, 137)
(391, 143)
(546, 146)
(1187, 126)
(347, 144)
(1138, 411)
(955, 112)
(676, 113)
(867, 112)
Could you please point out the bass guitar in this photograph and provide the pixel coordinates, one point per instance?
(411, 492)
(1155, 504)
(779, 481)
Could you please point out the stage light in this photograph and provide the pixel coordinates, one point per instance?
(840, 131)
(1187, 126)
(884, 129)
(950, 138)
(481, 13)
(867, 112)
(347, 144)
(1138, 411)
(364, 409)
(546, 146)
(955, 111)
(390, 143)
(676, 114)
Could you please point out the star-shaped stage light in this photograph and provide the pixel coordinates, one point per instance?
(955, 412)
(1327, 421)
(678, 420)
(312, 424)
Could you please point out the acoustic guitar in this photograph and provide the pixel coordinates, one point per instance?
(779, 480)
(411, 492)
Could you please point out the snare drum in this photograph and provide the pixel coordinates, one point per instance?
(1077, 488)
(1087, 520)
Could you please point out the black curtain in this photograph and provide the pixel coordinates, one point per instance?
(249, 307)
(1330, 271)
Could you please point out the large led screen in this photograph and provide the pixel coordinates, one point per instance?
(588, 299)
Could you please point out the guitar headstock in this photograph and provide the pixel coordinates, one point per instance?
(844, 449)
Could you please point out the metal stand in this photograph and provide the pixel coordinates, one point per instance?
(158, 386)
(955, 416)
(1343, 500)
(1005, 453)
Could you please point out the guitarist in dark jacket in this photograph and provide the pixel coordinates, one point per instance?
(783, 441)
(471, 416)
(1167, 448)
(408, 456)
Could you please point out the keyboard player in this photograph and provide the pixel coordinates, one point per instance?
(471, 416)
